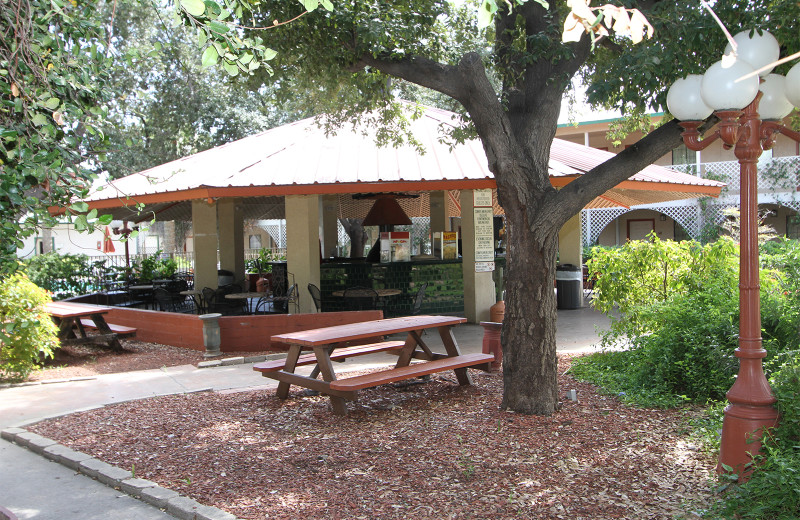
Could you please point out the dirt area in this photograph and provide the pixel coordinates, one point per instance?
(425, 451)
(89, 360)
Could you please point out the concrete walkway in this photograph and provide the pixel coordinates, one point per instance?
(34, 487)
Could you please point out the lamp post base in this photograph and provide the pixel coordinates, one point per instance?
(742, 430)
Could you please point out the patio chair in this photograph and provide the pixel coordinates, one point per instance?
(360, 299)
(415, 309)
(316, 295)
(281, 303)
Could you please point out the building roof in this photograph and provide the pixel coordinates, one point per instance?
(299, 158)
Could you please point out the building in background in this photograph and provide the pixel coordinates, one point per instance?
(779, 179)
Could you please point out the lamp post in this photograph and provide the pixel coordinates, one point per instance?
(736, 99)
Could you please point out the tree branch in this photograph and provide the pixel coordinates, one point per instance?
(578, 193)
(421, 71)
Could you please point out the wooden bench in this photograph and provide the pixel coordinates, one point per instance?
(411, 371)
(339, 354)
(120, 330)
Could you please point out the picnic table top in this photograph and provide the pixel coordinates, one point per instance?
(71, 309)
(365, 329)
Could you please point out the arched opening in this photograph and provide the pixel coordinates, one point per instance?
(637, 224)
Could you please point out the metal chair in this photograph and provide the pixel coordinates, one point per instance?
(316, 295)
(281, 303)
(360, 299)
(415, 309)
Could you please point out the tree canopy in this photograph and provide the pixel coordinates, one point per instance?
(508, 80)
(54, 83)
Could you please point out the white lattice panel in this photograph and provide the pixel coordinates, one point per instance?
(594, 221)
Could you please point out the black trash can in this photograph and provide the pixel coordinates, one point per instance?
(569, 286)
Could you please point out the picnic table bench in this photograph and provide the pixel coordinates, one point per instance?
(332, 344)
(71, 317)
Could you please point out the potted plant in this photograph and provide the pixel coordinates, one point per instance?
(259, 269)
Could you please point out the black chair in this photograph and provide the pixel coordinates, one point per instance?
(415, 309)
(360, 299)
(208, 300)
(167, 301)
(316, 295)
(281, 303)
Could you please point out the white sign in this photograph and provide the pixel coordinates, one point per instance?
(484, 267)
(482, 198)
(484, 235)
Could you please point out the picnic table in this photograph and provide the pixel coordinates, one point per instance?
(333, 344)
(71, 316)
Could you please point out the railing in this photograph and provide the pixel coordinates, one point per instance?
(779, 174)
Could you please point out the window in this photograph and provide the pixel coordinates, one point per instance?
(682, 155)
(254, 241)
(793, 226)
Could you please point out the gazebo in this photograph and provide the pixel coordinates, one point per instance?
(299, 173)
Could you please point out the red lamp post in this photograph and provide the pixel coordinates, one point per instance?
(724, 90)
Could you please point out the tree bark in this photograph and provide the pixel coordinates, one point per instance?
(358, 237)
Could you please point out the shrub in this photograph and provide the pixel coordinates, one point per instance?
(65, 275)
(28, 334)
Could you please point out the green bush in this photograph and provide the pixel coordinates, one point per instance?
(154, 267)
(65, 275)
(680, 318)
(28, 334)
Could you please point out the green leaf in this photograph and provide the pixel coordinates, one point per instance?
(269, 54)
(210, 56)
(230, 68)
(194, 7)
(543, 3)
(80, 207)
(53, 103)
(310, 5)
(105, 219)
(327, 4)
(39, 119)
(91, 215)
(486, 13)
(218, 27)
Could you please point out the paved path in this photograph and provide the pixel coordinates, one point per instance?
(33, 487)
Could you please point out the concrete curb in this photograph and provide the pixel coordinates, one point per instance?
(240, 360)
(48, 382)
(147, 491)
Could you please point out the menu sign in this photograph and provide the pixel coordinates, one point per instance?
(482, 198)
(484, 235)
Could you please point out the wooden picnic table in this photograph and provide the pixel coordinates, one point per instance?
(332, 344)
(71, 316)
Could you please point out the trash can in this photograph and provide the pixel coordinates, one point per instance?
(224, 277)
(569, 286)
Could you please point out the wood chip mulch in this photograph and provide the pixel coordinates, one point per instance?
(426, 451)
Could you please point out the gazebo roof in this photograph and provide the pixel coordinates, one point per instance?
(300, 159)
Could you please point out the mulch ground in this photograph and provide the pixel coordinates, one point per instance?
(425, 451)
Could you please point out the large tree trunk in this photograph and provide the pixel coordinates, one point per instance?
(529, 328)
(358, 237)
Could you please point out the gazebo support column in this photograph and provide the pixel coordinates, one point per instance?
(439, 221)
(204, 226)
(231, 237)
(330, 227)
(570, 250)
(303, 244)
(479, 292)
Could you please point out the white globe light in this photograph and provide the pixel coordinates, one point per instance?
(684, 100)
(758, 51)
(720, 88)
(773, 104)
(793, 85)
